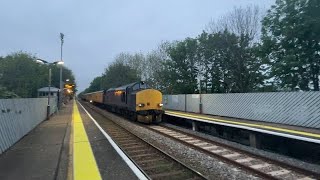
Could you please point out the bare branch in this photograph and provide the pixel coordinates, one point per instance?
(240, 21)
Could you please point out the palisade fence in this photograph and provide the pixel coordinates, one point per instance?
(20, 116)
(291, 108)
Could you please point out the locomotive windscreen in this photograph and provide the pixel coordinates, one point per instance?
(141, 85)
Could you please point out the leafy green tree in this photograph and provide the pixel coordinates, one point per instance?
(135, 61)
(291, 43)
(181, 67)
(96, 84)
(66, 74)
(5, 94)
(116, 74)
(21, 75)
(155, 69)
(228, 63)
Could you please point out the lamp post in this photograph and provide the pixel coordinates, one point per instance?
(41, 61)
(61, 85)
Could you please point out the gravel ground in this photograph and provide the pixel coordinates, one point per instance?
(288, 160)
(209, 166)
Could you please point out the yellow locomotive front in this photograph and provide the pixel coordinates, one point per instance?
(149, 106)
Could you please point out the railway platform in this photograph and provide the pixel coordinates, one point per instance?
(68, 146)
(274, 129)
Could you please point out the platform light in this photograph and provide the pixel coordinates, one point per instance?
(40, 61)
(59, 62)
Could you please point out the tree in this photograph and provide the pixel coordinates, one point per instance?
(96, 84)
(5, 94)
(227, 63)
(291, 43)
(180, 70)
(155, 69)
(241, 21)
(135, 61)
(66, 74)
(228, 53)
(118, 74)
(21, 75)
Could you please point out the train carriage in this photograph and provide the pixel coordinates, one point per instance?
(94, 97)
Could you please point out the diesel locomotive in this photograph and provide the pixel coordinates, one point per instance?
(136, 100)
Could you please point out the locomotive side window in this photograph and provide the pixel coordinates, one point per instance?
(123, 97)
(135, 87)
(127, 92)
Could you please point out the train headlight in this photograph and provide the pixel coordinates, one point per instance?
(160, 104)
(90, 101)
(141, 105)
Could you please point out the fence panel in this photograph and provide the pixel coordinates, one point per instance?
(175, 102)
(20, 116)
(192, 103)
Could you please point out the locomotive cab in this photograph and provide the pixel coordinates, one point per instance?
(149, 106)
(147, 103)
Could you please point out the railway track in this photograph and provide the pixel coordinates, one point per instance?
(262, 166)
(255, 164)
(152, 161)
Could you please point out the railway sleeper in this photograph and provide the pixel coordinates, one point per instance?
(168, 175)
(129, 143)
(151, 160)
(158, 165)
(143, 155)
(135, 147)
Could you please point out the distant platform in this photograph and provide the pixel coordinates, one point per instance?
(288, 131)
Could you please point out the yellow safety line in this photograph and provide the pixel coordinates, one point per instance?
(84, 163)
(248, 124)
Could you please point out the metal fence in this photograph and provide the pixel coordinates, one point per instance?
(19, 116)
(292, 108)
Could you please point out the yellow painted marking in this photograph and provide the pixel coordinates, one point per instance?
(248, 124)
(84, 163)
(151, 99)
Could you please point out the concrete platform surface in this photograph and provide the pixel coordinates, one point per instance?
(68, 146)
(37, 155)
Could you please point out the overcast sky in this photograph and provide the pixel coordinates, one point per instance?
(96, 31)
